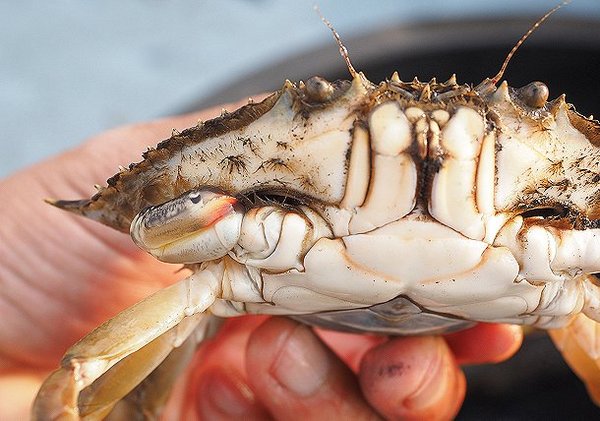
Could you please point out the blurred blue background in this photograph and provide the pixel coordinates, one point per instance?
(70, 68)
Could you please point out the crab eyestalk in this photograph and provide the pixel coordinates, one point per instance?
(198, 226)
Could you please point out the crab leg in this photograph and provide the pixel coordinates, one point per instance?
(549, 253)
(579, 343)
(126, 348)
(151, 395)
(106, 365)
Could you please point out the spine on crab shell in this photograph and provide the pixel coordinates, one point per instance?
(74, 206)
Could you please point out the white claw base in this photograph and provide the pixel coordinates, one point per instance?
(199, 226)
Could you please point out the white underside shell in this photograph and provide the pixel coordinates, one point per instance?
(577, 251)
(461, 273)
(447, 252)
(468, 260)
(359, 170)
(279, 150)
(393, 180)
(453, 201)
(532, 154)
(392, 196)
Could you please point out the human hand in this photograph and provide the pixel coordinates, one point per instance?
(284, 370)
(62, 275)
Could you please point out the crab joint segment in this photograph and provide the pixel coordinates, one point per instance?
(562, 260)
(392, 184)
(198, 226)
(453, 200)
(128, 347)
(277, 239)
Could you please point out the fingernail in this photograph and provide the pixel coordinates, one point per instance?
(224, 396)
(302, 364)
(434, 382)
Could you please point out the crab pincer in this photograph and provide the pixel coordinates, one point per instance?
(198, 226)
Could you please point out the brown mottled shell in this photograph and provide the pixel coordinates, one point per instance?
(142, 184)
(263, 145)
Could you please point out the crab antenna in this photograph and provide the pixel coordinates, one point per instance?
(343, 50)
(535, 26)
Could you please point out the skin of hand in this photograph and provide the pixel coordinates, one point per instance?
(62, 275)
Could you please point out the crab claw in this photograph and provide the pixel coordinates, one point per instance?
(197, 226)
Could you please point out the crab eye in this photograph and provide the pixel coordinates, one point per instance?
(534, 94)
(195, 197)
(319, 89)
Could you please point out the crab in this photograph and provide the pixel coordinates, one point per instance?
(399, 208)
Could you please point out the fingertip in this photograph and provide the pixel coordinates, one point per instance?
(295, 360)
(18, 392)
(296, 376)
(413, 378)
(485, 343)
(349, 347)
(217, 386)
(225, 395)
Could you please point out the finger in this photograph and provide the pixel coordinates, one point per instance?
(216, 386)
(349, 347)
(297, 377)
(224, 395)
(413, 378)
(485, 343)
(18, 391)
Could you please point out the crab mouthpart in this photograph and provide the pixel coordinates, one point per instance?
(198, 226)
